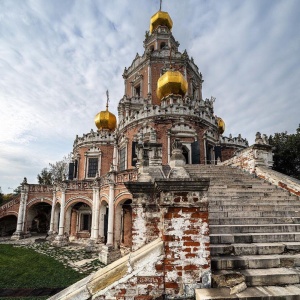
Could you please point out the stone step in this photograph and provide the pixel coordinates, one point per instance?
(255, 248)
(255, 262)
(254, 196)
(240, 201)
(216, 184)
(270, 276)
(245, 238)
(240, 214)
(289, 292)
(252, 228)
(244, 207)
(253, 221)
(249, 193)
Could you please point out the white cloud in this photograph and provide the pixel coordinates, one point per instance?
(57, 58)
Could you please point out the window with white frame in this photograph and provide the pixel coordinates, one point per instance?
(92, 166)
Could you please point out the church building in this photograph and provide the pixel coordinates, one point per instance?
(135, 192)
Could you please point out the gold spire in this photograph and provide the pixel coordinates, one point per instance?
(105, 120)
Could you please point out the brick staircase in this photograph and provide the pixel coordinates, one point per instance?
(254, 235)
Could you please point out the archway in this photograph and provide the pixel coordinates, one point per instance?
(103, 221)
(123, 225)
(79, 220)
(8, 225)
(126, 239)
(38, 217)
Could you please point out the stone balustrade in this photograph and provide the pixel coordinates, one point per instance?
(94, 137)
(251, 157)
(190, 110)
(40, 188)
(281, 180)
(234, 141)
(8, 205)
(258, 160)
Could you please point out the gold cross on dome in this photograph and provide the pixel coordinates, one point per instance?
(107, 95)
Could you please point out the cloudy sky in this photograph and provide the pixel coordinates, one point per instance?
(58, 57)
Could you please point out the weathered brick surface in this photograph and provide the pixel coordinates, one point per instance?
(187, 255)
(181, 219)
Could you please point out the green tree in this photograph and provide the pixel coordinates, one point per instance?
(45, 177)
(1, 196)
(287, 153)
(56, 172)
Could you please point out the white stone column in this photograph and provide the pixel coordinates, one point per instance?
(115, 155)
(110, 231)
(62, 213)
(205, 154)
(93, 214)
(96, 211)
(51, 229)
(169, 146)
(60, 239)
(19, 233)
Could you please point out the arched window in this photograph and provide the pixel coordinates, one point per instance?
(162, 45)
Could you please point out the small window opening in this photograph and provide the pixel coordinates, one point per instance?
(185, 153)
(137, 91)
(122, 159)
(162, 45)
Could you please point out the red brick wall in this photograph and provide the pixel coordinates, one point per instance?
(227, 153)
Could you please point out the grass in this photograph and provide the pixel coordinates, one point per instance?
(25, 268)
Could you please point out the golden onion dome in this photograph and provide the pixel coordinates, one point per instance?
(172, 82)
(221, 125)
(105, 120)
(161, 18)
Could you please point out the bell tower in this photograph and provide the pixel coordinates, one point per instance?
(160, 54)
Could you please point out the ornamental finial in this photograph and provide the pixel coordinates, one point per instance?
(107, 95)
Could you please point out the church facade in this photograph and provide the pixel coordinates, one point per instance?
(162, 106)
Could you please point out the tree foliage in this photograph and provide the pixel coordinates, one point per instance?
(56, 172)
(1, 196)
(45, 177)
(287, 153)
(7, 197)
